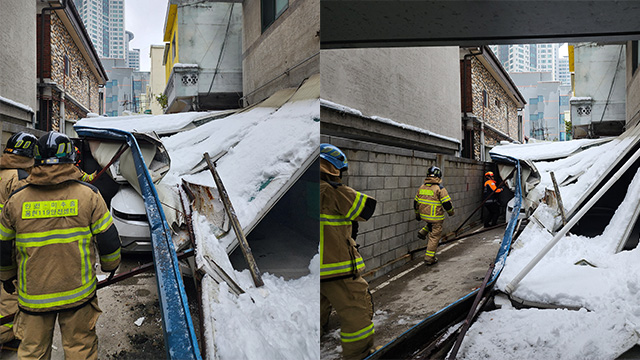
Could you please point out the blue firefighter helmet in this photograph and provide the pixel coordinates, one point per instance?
(22, 144)
(335, 156)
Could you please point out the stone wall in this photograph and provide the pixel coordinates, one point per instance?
(80, 85)
(501, 111)
(392, 175)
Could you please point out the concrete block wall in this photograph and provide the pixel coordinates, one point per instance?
(392, 176)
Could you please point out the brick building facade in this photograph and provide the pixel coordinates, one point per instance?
(490, 104)
(68, 69)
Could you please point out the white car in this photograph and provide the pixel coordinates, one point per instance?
(130, 218)
(127, 206)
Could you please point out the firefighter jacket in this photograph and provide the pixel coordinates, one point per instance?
(55, 223)
(432, 201)
(13, 169)
(489, 188)
(339, 206)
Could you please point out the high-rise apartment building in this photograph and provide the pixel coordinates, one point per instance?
(514, 58)
(132, 57)
(104, 21)
(564, 75)
(547, 58)
(534, 58)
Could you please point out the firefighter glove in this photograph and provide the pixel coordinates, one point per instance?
(8, 285)
(451, 212)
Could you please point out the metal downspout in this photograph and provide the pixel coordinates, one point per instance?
(482, 147)
(41, 56)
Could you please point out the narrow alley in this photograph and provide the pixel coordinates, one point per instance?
(408, 295)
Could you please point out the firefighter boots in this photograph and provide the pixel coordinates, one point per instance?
(430, 260)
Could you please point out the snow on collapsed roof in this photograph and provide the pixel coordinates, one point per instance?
(608, 322)
(265, 147)
(147, 123)
(543, 150)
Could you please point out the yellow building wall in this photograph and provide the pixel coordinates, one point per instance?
(171, 34)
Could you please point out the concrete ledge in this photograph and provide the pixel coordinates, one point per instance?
(336, 123)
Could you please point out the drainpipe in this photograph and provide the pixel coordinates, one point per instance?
(62, 124)
(40, 89)
(468, 56)
(482, 148)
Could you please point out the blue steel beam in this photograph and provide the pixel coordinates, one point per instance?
(179, 333)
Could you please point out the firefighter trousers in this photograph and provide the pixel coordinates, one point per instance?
(352, 301)
(77, 328)
(434, 239)
(8, 306)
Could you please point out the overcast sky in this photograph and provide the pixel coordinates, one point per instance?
(145, 19)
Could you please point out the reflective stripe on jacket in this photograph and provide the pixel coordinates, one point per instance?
(339, 207)
(430, 198)
(54, 230)
(14, 169)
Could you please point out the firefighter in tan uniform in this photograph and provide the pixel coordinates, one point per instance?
(15, 164)
(56, 223)
(430, 204)
(341, 285)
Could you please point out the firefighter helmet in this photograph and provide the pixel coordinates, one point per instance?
(488, 174)
(54, 148)
(22, 144)
(335, 156)
(434, 171)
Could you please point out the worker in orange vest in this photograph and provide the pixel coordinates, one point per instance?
(491, 203)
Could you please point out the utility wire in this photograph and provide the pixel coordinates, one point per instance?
(615, 72)
(224, 42)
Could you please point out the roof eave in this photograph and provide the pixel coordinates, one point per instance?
(488, 58)
(90, 53)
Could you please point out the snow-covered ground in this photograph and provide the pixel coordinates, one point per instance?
(606, 293)
(265, 147)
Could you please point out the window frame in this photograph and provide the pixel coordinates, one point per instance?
(67, 65)
(635, 48)
(269, 12)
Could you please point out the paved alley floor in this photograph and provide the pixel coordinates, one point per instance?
(123, 304)
(413, 292)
